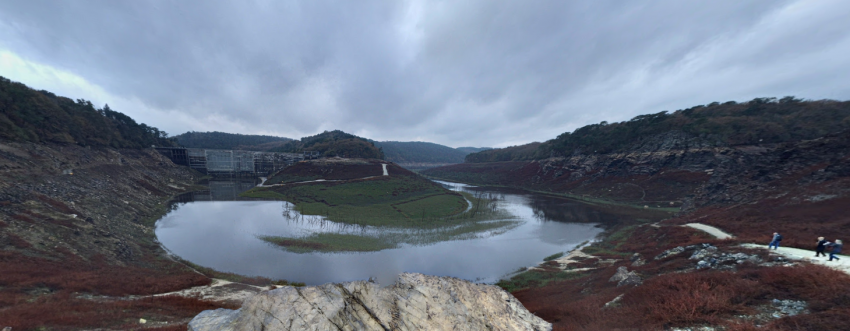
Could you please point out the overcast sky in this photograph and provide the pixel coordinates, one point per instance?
(458, 73)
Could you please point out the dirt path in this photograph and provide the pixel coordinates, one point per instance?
(788, 252)
(717, 233)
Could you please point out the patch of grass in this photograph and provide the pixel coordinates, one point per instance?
(432, 206)
(600, 251)
(622, 234)
(536, 278)
(553, 256)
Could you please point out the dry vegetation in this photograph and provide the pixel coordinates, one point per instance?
(671, 297)
(65, 292)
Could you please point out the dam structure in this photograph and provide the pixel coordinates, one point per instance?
(231, 163)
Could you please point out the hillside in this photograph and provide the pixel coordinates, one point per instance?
(419, 152)
(333, 143)
(759, 121)
(221, 140)
(77, 217)
(512, 153)
(658, 159)
(469, 150)
(27, 115)
(800, 160)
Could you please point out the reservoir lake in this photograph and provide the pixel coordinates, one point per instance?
(215, 229)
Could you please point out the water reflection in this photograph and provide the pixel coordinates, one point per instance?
(223, 235)
(220, 190)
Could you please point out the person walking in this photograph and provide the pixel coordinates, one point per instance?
(821, 247)
(836, 248)
(775, 242)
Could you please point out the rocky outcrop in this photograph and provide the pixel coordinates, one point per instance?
(625, 277)
(414, 302)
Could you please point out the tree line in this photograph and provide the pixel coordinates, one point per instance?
(222, 140)
(41, 116)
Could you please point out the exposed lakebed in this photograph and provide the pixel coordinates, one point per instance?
(224, 235)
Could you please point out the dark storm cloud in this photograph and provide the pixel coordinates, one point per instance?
(453, 72)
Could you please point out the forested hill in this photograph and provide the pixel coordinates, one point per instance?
(41, 116)
(222, 140)
(420, 152)
(334, 143)
(759, 121)
(512, 153)
(468, 150)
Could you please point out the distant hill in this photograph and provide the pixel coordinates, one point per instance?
(417, 155)
(419, 152)
(334, 143)
(221, 140)
(469, 150)
(759, 121)
(512, 153)
(41, 116)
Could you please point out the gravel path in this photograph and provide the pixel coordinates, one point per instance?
(719, 234)
(788, 252)
(808, 255)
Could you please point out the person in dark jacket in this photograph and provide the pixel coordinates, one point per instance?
(836, 248)
(821, 247)
(775, 242)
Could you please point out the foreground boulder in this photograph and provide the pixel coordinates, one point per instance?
(414, 302)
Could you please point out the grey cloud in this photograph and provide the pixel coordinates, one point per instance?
(459, 73)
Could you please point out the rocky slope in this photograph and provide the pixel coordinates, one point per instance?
(670, 169)
(92, 201)
(414, 302)
(77, 241)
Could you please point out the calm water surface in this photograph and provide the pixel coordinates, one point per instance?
(223, 235)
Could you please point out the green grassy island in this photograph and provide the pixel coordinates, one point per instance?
(407, 207)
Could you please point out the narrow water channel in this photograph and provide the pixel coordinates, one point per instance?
(216, 230)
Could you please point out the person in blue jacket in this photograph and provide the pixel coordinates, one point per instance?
(775, 242)
(836, 248)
